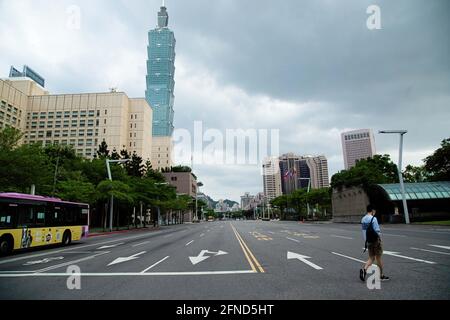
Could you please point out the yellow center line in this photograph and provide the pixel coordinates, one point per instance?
(245, 252)
(242, 242)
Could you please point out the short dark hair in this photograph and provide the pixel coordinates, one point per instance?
(370, 208)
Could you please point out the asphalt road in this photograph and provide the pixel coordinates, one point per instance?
(234, 260)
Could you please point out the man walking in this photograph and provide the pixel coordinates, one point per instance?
(372, 237)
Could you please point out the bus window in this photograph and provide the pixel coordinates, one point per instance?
(7, 216)
(40, 217)
(26, 217)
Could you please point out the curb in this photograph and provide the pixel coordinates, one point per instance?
(91, 235)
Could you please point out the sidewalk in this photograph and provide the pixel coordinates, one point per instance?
(147, 229)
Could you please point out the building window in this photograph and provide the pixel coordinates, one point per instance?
(97, 122)
(98, 113)
(75, 114)
(59, 115)
(90, 123)
(65, 133)
(41, 124)
(106, 112)
(82, 123)
(51, 115)
(81, 133)
(91, 113)
(83, 113)
(66, 114)
(74, 123)
(57, 134)
(80, 142)
(105, 121)
(50, 124)
(73, 133)
(90, 132)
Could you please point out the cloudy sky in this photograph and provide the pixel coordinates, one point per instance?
(311, 69)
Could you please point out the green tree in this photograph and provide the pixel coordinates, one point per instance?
(103, 151)
(9, 138)
(281, 203)
(376, 170)
(438, 164)
(415, 174)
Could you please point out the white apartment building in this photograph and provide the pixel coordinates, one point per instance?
(357, 145)
(81, 120)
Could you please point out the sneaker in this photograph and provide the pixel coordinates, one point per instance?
(362, 274)
(384, 278)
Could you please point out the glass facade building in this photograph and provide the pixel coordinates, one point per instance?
(160, 75)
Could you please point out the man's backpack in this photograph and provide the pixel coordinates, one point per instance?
(371, 235)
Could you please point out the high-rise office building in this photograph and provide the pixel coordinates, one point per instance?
(298, 172)
(357, 145)
(318, 167)
(160, 75)
(272, 178)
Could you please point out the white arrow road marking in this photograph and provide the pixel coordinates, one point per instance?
(45, 260)
(125, 259)
(442, 247)
(293, 255)
(69, 263)
(292, 239)
(396, 254)
(440, 252)
(110, 246)
(189, 243)
(201, 257)
(154, 265)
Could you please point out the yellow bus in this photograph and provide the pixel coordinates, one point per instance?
(28, 221)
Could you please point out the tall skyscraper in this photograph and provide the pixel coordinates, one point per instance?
(272, 178)
(160, 75)
(318, 167)
(357, 145)
(27, 73)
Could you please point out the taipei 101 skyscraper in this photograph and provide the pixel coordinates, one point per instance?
(160, 86)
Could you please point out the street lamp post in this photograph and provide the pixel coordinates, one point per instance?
(309, 189)
(159, 210)
(400, 175)
(111, 207)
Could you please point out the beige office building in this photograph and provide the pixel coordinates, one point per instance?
(272, 178)
(162, 152)
(80, 120)
(318, 168)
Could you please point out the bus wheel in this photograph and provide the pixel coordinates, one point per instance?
(6, 245)
(67, 238)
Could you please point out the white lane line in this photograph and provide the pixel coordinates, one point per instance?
(335, 236)
(154, 265)
(140, 244)
(70, 262)
(202, 235)
(189, 243)
(440, 252)
(351, 258)
(293, 239)
(200, 273)
(74, 248)
(271, 232)
(442, 247)
(396, 254)
(393, 235)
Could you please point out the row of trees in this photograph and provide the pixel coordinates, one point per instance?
(56, 170)
(295, 205)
